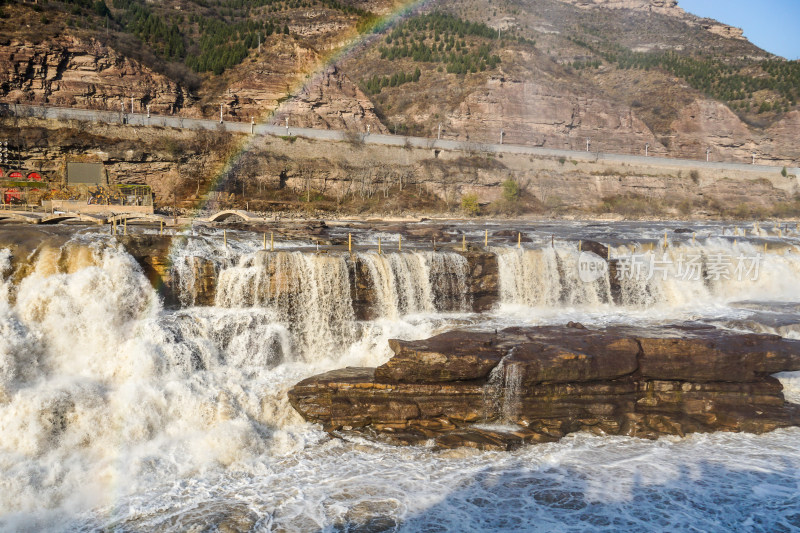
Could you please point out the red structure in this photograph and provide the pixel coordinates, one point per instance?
(34, 176)
(15, 175)
(12, 195)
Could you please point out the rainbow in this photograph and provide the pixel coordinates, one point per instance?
(374, 27)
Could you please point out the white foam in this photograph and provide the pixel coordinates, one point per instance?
(116, 413)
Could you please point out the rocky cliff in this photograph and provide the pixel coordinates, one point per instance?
(538, 113)
(330, 100)
(74, 72)
(663, 7)
(546, 382)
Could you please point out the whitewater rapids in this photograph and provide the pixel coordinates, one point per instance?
(116, 413)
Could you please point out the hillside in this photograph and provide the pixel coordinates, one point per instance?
(621, 73)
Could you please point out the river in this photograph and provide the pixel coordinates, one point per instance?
(121, 411)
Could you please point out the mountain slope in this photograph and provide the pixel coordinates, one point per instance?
(624, 74)
(621, 73)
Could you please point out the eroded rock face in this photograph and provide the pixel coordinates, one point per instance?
(669, 7)
(71, 72)
(664, 7)
(331, 101)
(550, 381)
(533, 111)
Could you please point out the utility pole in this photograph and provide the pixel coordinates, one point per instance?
(287, 124)
(252, 125)
(646, 149)
(220, 113)
(754, 158)
(708, 151)
(587, 144)
(367, 129)
(502, 132)
(131, 105)
(438, 135)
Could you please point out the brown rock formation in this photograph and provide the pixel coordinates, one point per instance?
(331, 101)
(532, 111)
(550, 381)
(72, 72)
(664, 7)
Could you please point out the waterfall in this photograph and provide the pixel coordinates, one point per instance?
(414, 282)
(675, 277)
(308, 293)
(502, 392)
(103, 389)
(106, 396)
(493, 392)
(547, 277)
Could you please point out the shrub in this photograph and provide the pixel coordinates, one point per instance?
(695, 175)
(510, 191)
(784, 173)
(469, 204)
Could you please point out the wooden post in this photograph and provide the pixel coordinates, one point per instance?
(580, 246)
(161, 230)
(736, 231)
(519, 240)
(780, 232)
(379, 246)
(125, 226)
(765, 247)
(552, 241)
(665, 239)
(350, 242)
(434, 244)
(693, 238)
(271, 241)
(400, 243)
(463, 243)
(486, 238)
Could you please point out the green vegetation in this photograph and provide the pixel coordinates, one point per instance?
(205, 36)
(470, 205)
(441, 38)
(784, 173)
(376, 83)
(742, 84)
(579, 65)
(510, 191)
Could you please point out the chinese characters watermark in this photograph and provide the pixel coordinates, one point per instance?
(690, 267)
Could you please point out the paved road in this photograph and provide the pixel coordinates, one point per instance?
(111, 117)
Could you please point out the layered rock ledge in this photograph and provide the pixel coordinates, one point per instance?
(499, 390)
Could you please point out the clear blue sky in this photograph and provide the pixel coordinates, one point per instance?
(773, 25)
